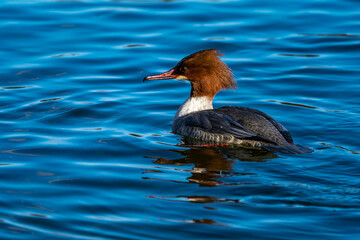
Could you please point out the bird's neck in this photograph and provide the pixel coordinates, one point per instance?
(194, 104)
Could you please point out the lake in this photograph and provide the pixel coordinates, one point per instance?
(87, 150)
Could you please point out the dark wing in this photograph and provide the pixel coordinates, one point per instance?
(215, 121)
(257, 121)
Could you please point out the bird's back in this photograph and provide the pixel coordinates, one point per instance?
(237, 125)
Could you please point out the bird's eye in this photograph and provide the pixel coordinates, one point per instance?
(183, 69)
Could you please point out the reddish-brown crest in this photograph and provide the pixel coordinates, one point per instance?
(206, 72)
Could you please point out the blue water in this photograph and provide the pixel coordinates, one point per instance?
(87, 150)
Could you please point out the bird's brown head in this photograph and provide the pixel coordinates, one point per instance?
(204, 70)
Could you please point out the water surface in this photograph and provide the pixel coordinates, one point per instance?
(87, 150)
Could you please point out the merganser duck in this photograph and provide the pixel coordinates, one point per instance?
(197, 119)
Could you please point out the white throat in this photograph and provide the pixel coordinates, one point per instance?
(194, 104)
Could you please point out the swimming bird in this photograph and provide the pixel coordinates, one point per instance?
(197, 119)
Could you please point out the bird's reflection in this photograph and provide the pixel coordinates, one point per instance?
(209, 167)
(212, 164)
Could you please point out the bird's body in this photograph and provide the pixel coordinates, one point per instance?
(197, 119)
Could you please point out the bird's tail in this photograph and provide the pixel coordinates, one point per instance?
(290, 149)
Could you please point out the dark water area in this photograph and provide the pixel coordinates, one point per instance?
(87, 150)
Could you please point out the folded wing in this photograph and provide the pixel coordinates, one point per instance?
(238, 122)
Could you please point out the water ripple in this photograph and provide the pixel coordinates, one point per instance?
(87, 150)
